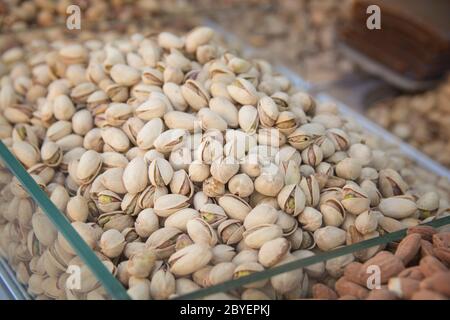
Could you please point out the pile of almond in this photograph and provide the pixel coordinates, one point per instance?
(419, 270)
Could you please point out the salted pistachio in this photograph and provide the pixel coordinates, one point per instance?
(349, 169)
(148, 197)
(201, 276)
(223, 169)
(141, 264)
(333, 212)
(335, 267)
(124, 74)
(198, 171)
(209, 119)
(241, 185)
(286, 122)
(292, 199)
(391, 183)
(181, 120)
(310, 187)
(195, 94)
(190, 259)
(115, 139)
(160, 172)
(108, 201)
(428, 203)
(209, 150)
(273, 251)
(24, 132)
(197, 37)
(112, 243)
(312, 155)
(222, 253)
(230, 231)
(310, 219)
(146, 223)
(148, 134)
(213, 188)
(200, 231)
(397, 207)
(84, 230)
(256, 236)
(355, 200)
(367, 221)
(27, 154)
(247, 268)
(260, 215)
(163, 241)
(315, 271)
(267, 111)
(235, 207)
(89, 166)
(165, 205)
(243, 91)
(180, 218)
(170, 140)
(77, 208)
(182, 184)
(51, 154)
(287, 281)
(163, 283)
(221, 272)
(371, 190)
(150, 109)
(248, 119)
(339, 138)
(270, 181)
(134, 175)
(329, 237)
(226, 110)
(213, 214)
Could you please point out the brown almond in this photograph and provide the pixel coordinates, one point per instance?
(321, 291)
(412, 273)
(403, 288)
(427, 295)
(352, 272)
(441, 240)
(408, 248)
(438, 282)
(430, 265)
(389, 265)
(426, 232)
(381, 294)
(345, 287)
(426, 248)
(443, 254)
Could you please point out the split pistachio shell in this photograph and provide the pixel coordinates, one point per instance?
(112, 243)
(165, 205)
(273, 251)
(160, 172)
(287, 281)
(292, 199)
(234, 207)
(190, 259)
(200, 231)
(243, 91)
(180, 218)
(255, 237)
(230, 231)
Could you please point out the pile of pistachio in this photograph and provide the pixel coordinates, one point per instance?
(183, 165)
(20, 15)
(420, 119)
(298, 33)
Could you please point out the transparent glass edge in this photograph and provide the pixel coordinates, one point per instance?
(107, 280)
